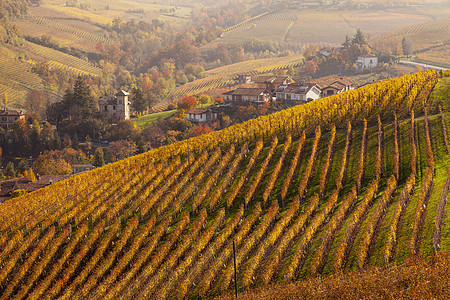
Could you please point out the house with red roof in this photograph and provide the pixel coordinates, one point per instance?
(246, 96)
(338, 86)
(271, 83)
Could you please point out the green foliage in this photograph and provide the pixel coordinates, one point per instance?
(99, 159)
(139, 102)
(10, 171)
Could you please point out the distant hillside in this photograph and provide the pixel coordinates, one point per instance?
(345, 182)
(326, 27)
(429, 41)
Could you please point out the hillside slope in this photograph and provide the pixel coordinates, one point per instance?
(309, 190)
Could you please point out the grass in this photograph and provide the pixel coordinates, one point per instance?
(148, 120)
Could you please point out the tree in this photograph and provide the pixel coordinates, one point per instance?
(407, 46)
(204, 99)
(359, 38)
(187, 103)
(124, 130)
(71, 113)
(99, 159)
(5, 100)
(311, 67)
(311, 51)
(121, 149)
(139, 103)
(10, 172)
(347, 43)
(35, 137)
(52, 163)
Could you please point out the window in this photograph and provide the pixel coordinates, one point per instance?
(114, 107)
(106, 107)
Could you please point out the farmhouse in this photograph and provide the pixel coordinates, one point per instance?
(246, 96)
(271, 83)
(8, 117)
(201, 115)
(298, 92)
(339, 86)
(366, 62)
(115, 108)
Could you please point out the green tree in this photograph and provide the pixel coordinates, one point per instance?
(204, 99)
(10, 172)
(359, 38)
(99, 159)
(139, 103)
(35, 138)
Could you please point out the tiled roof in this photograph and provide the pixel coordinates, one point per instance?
(23, 183)
(295, 88)
(246, 92)
(264, 79)
(11, 113)
(122, 93)
(197, 111)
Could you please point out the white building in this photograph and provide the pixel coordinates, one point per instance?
(201, 115)
(368, 61)
(115, 108)
(298, 92)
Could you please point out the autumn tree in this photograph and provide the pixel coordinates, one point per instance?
(204, 99)
(407, 46)
(51, 163)
(311, 51)
(121, 149)
(187, 103)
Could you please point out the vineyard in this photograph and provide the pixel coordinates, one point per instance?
(60, 59)
(17, 80)
(429, 36)
(73, 35)
(225, 76)
(346, 182)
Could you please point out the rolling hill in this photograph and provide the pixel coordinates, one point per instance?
(342, 183)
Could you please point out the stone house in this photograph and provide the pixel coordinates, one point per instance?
(8, 117)
(201, 115)
(115, 108)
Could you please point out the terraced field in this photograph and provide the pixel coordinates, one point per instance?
(322, 26)
(345, 182)
(60, 59)
(17, 79)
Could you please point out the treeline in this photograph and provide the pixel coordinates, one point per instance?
(14, 8)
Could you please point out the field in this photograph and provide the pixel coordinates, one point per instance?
(347, 182)
(325, 27)
(16, 79)
(149, 120)
(104, 11)
(424, 36)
